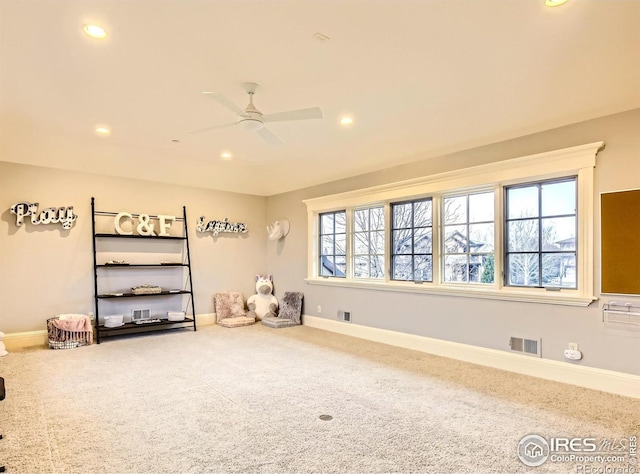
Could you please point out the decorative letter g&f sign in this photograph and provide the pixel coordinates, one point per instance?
(50, 215)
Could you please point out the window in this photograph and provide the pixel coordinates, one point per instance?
(508, 230)
(412, 241)
(333, 244)
(368, 243)
(540, 226)
(468, 238)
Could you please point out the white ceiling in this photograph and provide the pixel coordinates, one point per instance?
(421, 78)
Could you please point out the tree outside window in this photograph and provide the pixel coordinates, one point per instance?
(468, 238)
(412, 240)
(368, 243)
(541, 243)
(333, 244)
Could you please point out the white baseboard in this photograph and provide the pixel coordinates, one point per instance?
(205, 319)
(588, 377)
(23, 340)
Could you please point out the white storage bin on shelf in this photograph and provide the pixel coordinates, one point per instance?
(175, 315)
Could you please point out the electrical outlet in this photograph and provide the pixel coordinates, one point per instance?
(319, 309)
(573, 346)
(347, 316)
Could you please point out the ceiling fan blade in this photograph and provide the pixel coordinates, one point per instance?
(268, 136)
(206, 129)
(225, 102)
(301, 114)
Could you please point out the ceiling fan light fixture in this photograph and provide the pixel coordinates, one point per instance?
(554, 3)
(251, 124)
(252, 120)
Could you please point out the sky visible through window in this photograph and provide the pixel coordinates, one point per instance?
(541, 234)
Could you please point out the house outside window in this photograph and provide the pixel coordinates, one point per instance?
(333, 244)
(468, 238)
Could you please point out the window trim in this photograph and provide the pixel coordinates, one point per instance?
(579, 161)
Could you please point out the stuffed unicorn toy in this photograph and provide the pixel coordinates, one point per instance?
(263, 303)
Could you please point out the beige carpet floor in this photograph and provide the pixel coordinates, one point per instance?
(249, 400)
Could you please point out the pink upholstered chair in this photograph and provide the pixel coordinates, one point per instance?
(230, 311)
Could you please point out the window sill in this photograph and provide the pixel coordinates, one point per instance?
(534, 295)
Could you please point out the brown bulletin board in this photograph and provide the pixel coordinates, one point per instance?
(620, 234)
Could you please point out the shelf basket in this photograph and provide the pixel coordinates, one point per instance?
(146, 290)
(60, 339)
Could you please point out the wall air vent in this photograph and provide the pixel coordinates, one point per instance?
(526, 346)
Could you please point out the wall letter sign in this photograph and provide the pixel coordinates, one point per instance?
(145, 226)
(215, 227)
(50, 215)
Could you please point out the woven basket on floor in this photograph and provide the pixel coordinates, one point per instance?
(64, 339)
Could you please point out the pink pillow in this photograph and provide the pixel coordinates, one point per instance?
(229, 305)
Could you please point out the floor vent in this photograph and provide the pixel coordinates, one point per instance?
(526, 346)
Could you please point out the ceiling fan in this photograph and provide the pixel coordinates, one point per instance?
(253, 120)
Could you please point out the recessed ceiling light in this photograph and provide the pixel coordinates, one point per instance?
(95, 31)
(346, 121)
(102, 131)
(554, 3)
(225, 155)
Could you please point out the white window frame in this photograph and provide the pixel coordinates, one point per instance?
(442, 229)
(352, 241)
(574, 161)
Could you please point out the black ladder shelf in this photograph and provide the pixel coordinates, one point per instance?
(186, 291)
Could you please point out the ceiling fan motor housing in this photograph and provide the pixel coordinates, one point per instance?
(251, 122)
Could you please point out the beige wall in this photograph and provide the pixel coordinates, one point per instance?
(485, 323)
(45, 270)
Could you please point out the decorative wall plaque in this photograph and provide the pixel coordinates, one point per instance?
(216, 227)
